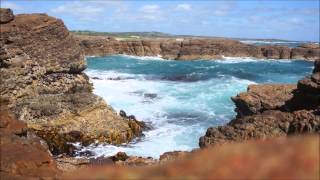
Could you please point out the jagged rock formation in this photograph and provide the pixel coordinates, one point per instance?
(190, 49)
(271, 110)
(42, 82)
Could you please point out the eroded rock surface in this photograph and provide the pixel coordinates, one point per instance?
(42, 81)
(192, 48)
(259, 98)
(271, 110)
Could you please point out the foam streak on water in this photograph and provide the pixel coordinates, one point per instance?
(180, 99)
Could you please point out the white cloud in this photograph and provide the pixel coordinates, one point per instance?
(78, 8)
(150, 8)
(183, 7)
(11, 5)
(295, 21)
(90, 10)
(150, 12)
(205, 22)
(224, 8)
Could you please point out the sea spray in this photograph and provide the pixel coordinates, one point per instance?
(188, 96)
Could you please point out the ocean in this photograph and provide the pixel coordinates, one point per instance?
(179, 99)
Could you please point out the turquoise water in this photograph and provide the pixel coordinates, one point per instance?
(179, 99)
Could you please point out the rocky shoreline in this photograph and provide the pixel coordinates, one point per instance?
(272, 110)
(47, 104)
(192, 48)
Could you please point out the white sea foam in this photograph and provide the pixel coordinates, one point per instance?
(268, 42)
(150, 58)
(179, 111)
(232, 60)
(168, 134)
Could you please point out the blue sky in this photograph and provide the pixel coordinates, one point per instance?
(292, 20)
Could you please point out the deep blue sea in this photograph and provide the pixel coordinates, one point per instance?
(179, 99)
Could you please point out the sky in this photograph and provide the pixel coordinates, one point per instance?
(278, 19)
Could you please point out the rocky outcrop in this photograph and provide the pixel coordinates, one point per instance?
(259, 98)
(192, 48)
(6, 15)
(23, 155)
(271, 110)
(290, 158)
(42, 81)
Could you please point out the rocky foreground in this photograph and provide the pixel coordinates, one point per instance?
(192, 48)
(47, 103)
(43, 84)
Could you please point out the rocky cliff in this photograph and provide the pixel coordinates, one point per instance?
(42, 82)
(190, 49)
(271, 110)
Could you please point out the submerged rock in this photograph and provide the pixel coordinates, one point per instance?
(123, 114)
(150, 95)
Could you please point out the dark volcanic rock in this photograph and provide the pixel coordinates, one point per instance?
(316, 66)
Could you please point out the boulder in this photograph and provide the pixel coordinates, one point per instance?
(6, 15)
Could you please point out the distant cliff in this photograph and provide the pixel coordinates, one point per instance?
(191, 49)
